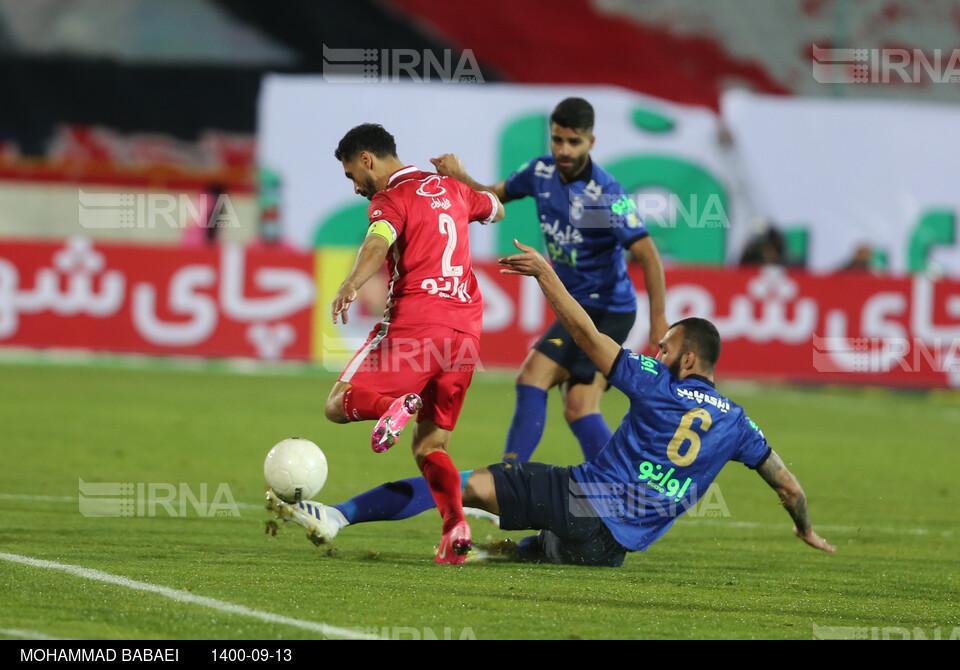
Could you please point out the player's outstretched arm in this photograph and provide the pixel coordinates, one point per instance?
(775, 473)
(370, 259)
(501, 212)
(645, 251)
(450, 165)
(601, 349)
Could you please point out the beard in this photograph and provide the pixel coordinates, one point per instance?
(369, 188)
(574, 168)
(674, 367)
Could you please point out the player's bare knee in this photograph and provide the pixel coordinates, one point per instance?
(526, 377)
(422, 449)
(334, 409)
(581, 400)
(538, 370)
(574, 409)
(480, 491)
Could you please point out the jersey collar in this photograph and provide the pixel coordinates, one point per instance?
(399, 173)
(700, 378)
(585, 175)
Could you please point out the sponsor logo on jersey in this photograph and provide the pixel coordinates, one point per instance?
(593, 190)
(567, 236)
(576, 208)
(664, 482)
(430, 187)
(648, 364)
(702, 398)
(622, 205)
(447, 287)
(541, 169)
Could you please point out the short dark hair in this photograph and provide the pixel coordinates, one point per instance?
(370, 137)
(701, 337)
(573, 113)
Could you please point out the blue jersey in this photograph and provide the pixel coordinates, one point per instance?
(587, 224)
(677, 436)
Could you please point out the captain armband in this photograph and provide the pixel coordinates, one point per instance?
(383, 229)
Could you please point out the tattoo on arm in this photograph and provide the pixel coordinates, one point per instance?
(799, 514)
(775, 473)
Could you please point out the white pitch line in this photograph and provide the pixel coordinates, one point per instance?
(189, 598)
(74, 499)
(29, 498)
(830, 529)
(27, 634)
(686, 519)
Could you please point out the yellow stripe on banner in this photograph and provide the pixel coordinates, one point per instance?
(330, 347)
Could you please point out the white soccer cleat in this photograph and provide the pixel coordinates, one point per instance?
(478, 513)
(320, 521)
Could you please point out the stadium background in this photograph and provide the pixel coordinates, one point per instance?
(812, 216)
(721, 127)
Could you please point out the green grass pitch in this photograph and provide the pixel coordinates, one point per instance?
(880, 470)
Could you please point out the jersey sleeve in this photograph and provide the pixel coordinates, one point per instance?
(635, 374)
(752, 447)
(625, 221)
(520, 183)
(383, 210)
(482, 206)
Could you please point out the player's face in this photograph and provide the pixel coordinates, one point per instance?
(359, 172)
(670, 353)
(570, 148)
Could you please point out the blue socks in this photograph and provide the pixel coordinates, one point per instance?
(392, 501)
(526, 429)
(593, 433)
(529, 418)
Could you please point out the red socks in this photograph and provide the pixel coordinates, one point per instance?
(444, 482)
(362, 405)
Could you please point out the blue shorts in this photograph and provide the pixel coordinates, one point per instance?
(558, 345)
(537, 496)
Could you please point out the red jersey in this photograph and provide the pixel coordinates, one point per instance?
(432, 280)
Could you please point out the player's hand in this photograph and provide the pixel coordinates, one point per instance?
(341, 303)
(449, 165)
(814, 540)
(658, 328)
(529, 263)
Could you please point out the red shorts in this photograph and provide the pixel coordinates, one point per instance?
(435, 362)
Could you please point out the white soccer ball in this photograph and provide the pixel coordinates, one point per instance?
(296, 469)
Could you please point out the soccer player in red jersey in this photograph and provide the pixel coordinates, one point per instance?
(420, 359)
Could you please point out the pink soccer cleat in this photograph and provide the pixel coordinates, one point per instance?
(394, 419)
(455, 545)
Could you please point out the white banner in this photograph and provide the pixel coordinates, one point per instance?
(836, 175)
(665, 153)
(881, 174)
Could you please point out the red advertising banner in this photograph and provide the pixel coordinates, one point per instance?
(236, 302)
(845, 328)
(219, 302)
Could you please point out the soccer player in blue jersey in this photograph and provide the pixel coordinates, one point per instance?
(587, 221)
(673, 442)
